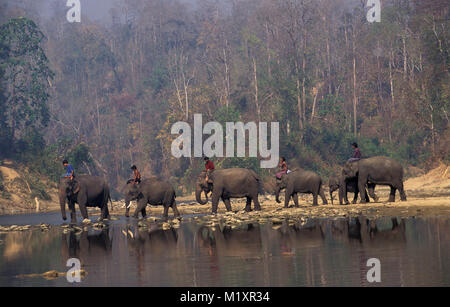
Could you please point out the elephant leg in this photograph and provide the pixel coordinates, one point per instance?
(392, 194)
(287, 197)
(367, 197)
(401, 190)
(215, 201)
(344, 193)
(82, 202)
(315, 196)
(227, 203)
(371, 188)
(144, 212)
(248, 205)
(105, 212)
(295, 198)
(355, 197)
(362, 180)
(166, 212)
(256, 203)
(175, 209)
(141, 204)
(322, 195)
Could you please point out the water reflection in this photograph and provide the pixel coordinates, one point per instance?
(319, 252)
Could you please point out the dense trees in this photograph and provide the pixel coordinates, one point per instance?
(318, 67)
(25, 89)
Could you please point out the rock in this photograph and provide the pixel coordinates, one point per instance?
(142, 224)
(276, 221)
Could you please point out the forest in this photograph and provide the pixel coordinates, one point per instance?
(104, 93)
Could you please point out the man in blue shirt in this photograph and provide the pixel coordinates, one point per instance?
(69, 170)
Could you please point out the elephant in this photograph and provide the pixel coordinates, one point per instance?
(376, 170)
(300, 181)
(337, 183)
(153, 191)
(229, 183)
(86, 191)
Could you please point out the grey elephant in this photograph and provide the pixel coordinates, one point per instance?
(86, 191)
(229, 183)
(153, 191)
(351, 185)
(373, 171)
(300, 181)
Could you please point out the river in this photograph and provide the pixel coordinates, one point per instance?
(320, 252)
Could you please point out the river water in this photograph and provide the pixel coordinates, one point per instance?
(322, 252)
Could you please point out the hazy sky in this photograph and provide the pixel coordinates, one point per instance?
(92, 9)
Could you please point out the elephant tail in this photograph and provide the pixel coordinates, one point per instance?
(110, 200)
(260, 187)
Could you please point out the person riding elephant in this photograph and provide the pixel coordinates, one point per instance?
(70, 172)
(337, 183)
(229, 183)
(300, 181)
(356, 153)
(136, 175)
(86, 191)
(373, 171)
(283, 168)
(153, 191)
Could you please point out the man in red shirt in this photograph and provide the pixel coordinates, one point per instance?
(356, 153)
(209, 166)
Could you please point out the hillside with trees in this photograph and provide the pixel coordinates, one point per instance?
(104, 94)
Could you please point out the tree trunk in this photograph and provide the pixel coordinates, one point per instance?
(255, 80)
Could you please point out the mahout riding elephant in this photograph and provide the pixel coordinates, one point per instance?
(376, 170)
(229, 183)
(300, 181)
(86, 191)
(153, 191)
(337, 183)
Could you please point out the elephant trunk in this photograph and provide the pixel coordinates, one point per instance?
(62, 203)
(331, 195)
(198, 195)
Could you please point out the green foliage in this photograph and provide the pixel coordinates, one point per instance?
(79, 155)
(236, 162)
(227, 114)
(25, 69)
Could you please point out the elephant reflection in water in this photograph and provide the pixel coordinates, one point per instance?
(85, 245)
(154, 243)
(235, 243)
(369, 230)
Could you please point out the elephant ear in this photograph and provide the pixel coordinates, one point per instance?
(76, 187)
